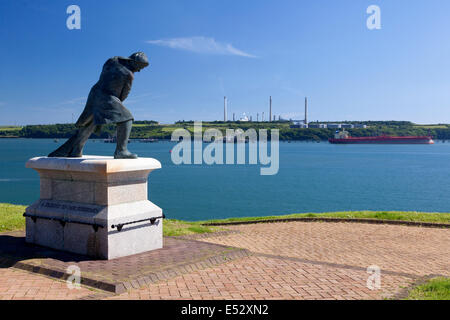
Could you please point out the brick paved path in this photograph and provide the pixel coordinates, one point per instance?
(294, 260)
(178, 256)
(412, 250)
(21, 285)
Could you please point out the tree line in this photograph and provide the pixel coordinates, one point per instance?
(151, 129)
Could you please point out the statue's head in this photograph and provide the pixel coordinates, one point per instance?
(137, 61)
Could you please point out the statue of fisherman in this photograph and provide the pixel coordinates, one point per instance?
(104, 106)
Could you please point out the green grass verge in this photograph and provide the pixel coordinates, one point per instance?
(182, 228)
(434, 289)
(379, 215)
(11, 219)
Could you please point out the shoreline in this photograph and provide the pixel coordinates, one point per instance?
(169, 140)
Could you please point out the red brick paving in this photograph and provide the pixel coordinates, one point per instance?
(178, 256)
(295, 260)
(402, 249)
(299, 260)
(21, 285)
(269, 278)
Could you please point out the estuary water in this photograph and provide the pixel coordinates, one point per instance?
(312, 177)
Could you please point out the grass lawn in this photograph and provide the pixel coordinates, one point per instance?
(11, 219)
(181, 228)
(434, 289)
(9, 128)
(379, 215)
(432, 126)
(140, 125)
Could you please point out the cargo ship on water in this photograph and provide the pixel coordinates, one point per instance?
(342, 137)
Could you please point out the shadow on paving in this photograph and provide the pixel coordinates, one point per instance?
(178, 256)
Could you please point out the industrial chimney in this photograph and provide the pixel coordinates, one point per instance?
(306, 110)
(224, 109)
(270, 109)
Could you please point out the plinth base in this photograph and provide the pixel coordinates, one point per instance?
(95, 206)
(179, 256)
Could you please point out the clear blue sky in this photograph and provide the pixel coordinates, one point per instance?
(247, 50)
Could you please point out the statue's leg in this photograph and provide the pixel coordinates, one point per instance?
(74, 146)
(123, 134)
(83, 135)
(64, 150)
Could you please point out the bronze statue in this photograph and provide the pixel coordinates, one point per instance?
(104, 106)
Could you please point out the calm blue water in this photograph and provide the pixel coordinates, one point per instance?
(313, 177)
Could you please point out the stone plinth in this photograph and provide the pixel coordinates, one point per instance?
(95, 206)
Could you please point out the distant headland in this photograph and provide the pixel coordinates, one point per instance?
(289, 130)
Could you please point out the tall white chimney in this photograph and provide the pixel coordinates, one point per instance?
(225, 109)
(270, 109)
(306, 110)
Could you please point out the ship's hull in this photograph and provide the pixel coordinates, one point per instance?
(383, 140)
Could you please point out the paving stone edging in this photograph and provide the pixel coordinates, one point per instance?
(121, 287)
(317, 219)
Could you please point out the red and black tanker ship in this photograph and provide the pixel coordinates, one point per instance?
(344, 138)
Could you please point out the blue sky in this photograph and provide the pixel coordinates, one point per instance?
(247, 50)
